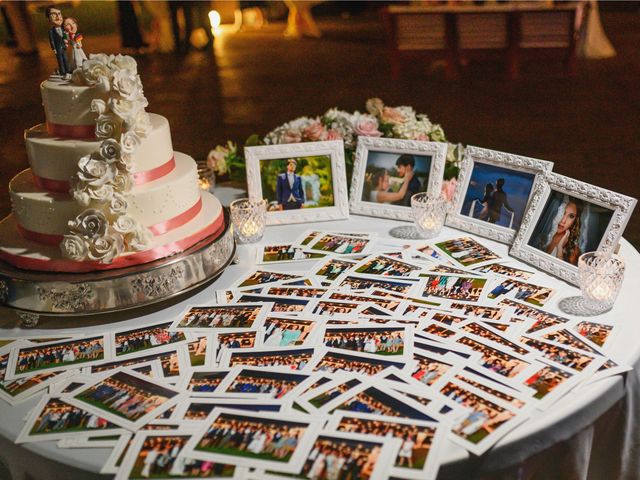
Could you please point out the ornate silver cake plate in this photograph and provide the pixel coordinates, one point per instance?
(32, 294)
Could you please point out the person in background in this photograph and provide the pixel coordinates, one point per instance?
(130, 35)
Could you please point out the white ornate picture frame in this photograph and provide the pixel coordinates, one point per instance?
(437, 151)
(620, 205)
(334, 149)
(476, 157)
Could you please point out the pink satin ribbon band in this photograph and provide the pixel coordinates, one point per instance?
(43, 238)
(139, 178)
(214, 229)
(81, 132)
(157, 229)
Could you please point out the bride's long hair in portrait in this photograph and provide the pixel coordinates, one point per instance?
(577, 232)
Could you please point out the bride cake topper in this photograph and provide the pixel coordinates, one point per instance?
(76, 53)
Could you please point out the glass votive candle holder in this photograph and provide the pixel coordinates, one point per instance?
(428, 213)
(248, 219)
(600, 276)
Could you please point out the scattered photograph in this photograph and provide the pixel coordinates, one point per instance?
(262, 277)
(386, 266)
(265, 383)
(363, 282)
(321, 396)
(220, 317)
(254, 439)
(282, 331)
(485, 312)
(390, 304)
(339, 244)
(53, 418)
(129, 342)
(236, 340)
(126, 398)
(304, 292)
(505, 271)
(200, 352)
(365, 364)
(429, 368)
(542, 319)
(26, 360)
(385, 341)
(598, 333)
(154, 454)
(293, 358)
(453, 287)
(205, 382)
(466, 251)
(498, 361)
(275, 304)
(335, 307)
(567, 357)
(333, 268)
(287, 252)
(525, 292)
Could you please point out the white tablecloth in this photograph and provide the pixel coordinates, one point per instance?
(570, 440)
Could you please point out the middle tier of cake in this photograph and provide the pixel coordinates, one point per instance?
(159, 205)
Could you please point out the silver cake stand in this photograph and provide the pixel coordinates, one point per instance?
(32, 294)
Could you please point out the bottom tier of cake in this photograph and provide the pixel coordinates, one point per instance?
(29, 255)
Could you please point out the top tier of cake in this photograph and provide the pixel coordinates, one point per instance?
(67, 108)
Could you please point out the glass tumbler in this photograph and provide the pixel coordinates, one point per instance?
(248, 219)
(428, 213)
(600, 277)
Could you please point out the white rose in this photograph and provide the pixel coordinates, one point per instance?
(108, 126)
(110, 150)
(122, 183)
(91, 223)
(118, 204)
(95, 172)
(100, 57)
(126, 163)
(127, 84)
(103, 193)
(124, 62)
(127, 110)
(106, 248)
(139, 240)
(129, 142)
(141, 124)
(103, 85)
(74, 247)
(98, 106)
(125, 224)
(94, 71)
(81, 196)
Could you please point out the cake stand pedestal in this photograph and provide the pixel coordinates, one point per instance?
(32, 294)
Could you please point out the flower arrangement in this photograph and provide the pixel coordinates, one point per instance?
(103, 230)
(380, 120)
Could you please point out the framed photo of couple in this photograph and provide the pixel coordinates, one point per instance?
(387, 172)
(301, 182)
(494, 189)
(566, 218)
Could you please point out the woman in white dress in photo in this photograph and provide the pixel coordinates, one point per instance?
(76, 54)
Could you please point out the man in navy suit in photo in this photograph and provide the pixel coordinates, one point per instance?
(405, 163)
(289, 193)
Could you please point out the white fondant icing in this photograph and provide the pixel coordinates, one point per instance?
(68, 104)
(154, 202)
(57, 159)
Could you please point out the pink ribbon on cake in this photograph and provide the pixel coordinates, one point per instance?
(157, 229)
(139, 178)
(71, 131)
(214, 229)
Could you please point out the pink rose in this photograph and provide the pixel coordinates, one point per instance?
(391, 115)
(366, 126)
(292, 136)
(314, 132)
(333, 135)
(449, 188)
(423, 137)
(214, 158)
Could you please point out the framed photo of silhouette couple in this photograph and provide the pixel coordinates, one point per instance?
(567, 218)
(301, 182)
(388, 172)
(493, 192)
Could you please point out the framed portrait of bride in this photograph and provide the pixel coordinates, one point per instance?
(566, 218)
(493, 192)
(387, 172)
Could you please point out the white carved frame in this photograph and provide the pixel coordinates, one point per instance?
(621, 205)
(437, 151)
(476, 155)
(334, 148)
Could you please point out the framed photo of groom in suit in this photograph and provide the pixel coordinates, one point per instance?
(302, 182)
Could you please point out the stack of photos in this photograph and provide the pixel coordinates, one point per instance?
(366, 361)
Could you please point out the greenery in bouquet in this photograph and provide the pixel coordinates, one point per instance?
(378, 121)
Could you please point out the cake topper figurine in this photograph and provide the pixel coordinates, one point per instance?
(76, 54)
(58, 40)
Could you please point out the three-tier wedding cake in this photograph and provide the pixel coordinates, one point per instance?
(105, 189)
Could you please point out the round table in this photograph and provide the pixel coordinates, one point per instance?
(569, 426)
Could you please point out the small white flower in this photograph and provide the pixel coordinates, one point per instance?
(139, 240)
(124, 62)
(127, 84)
(129, 142)
(141, 124)
(91, 223)
(74, 247)
(110, 150)
(94, 71)
(127, 110)
(126, 163)
(95, 172)
(102, 194)
(118, 204)
(125, 224)
(81, 196)
(106, 248)
(122, 182)
(98, 106)
(100, 58)
(108, 125)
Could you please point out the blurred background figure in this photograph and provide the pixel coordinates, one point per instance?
(300, 22)
(130, 34)
(19, 23)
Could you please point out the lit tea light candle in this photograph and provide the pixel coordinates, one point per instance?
(600, 276)
(248, 218)
(428, 214)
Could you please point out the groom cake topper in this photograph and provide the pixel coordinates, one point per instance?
(62, 34)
